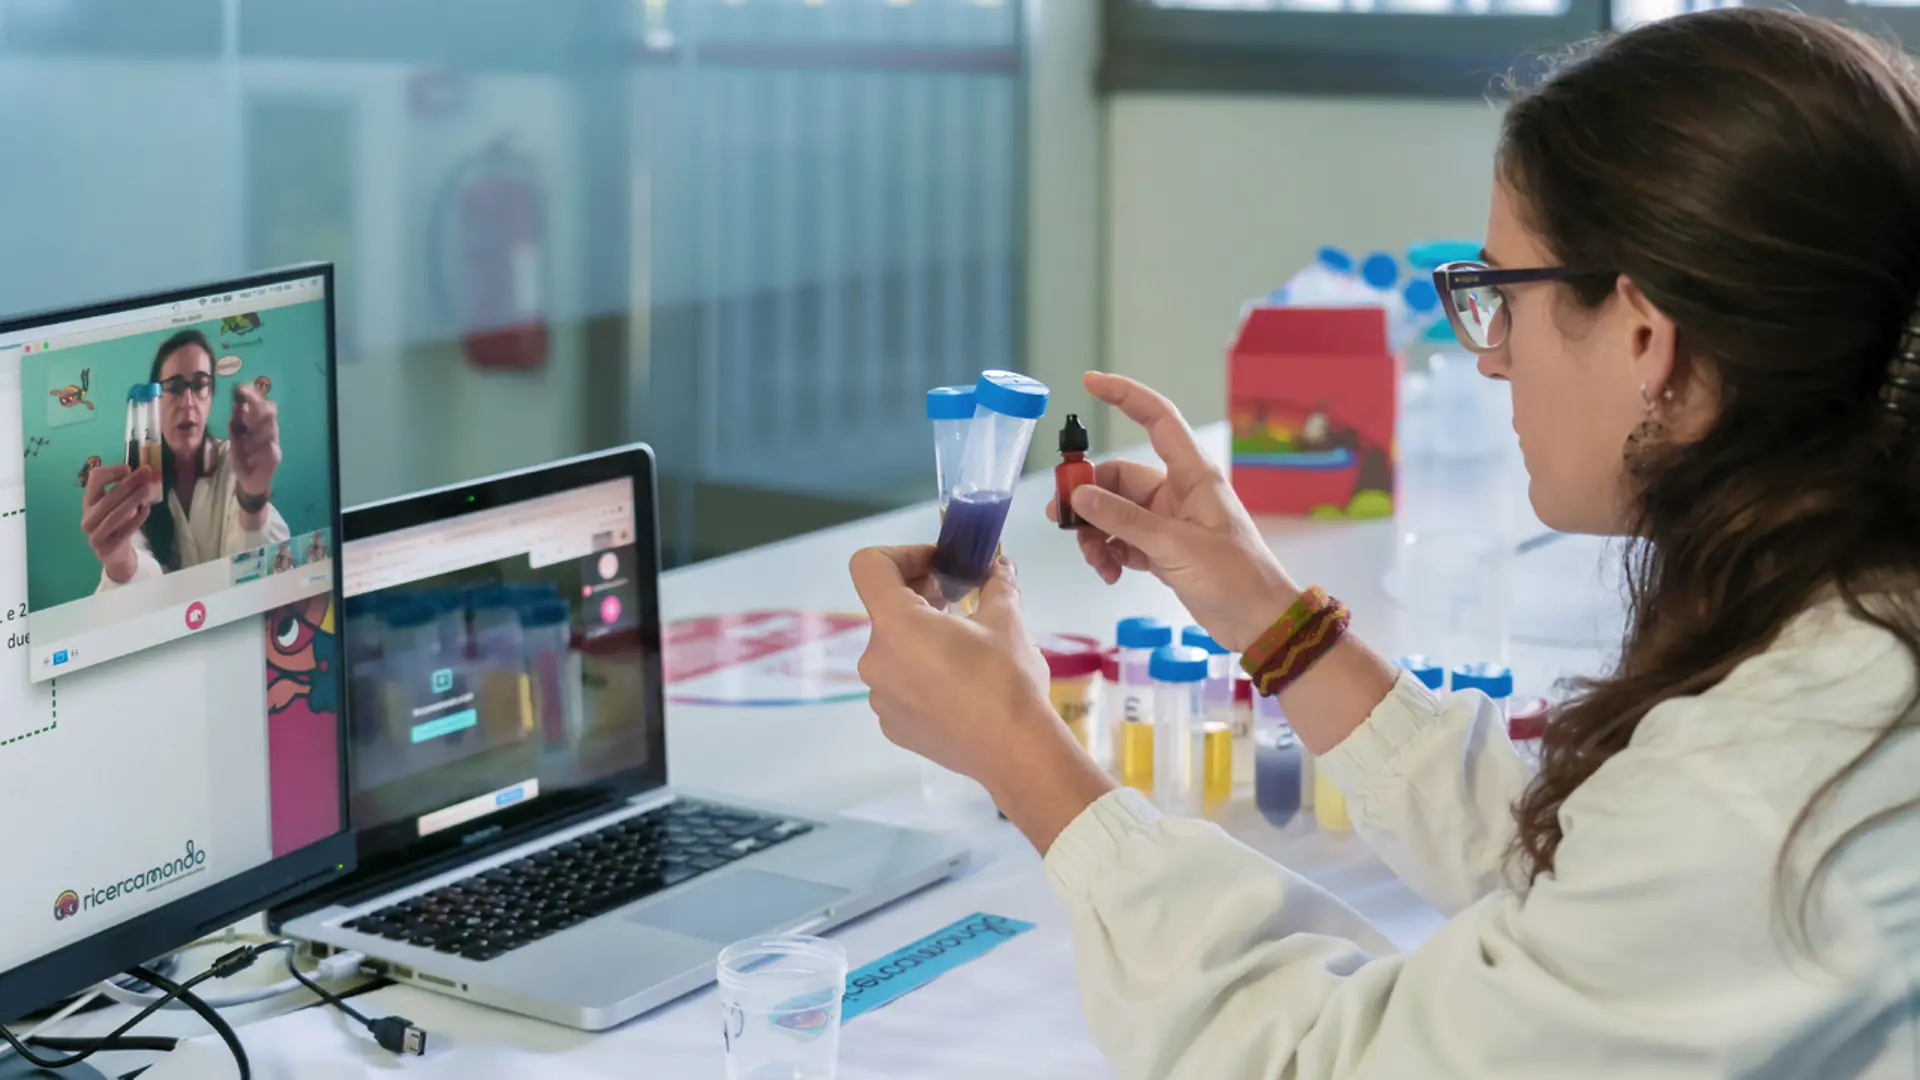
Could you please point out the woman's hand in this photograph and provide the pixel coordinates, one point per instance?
(254, 431)
(952, 689)
(109, 518)
(1185, 526)
(970, 693)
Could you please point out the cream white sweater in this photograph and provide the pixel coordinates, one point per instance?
(1655, 950)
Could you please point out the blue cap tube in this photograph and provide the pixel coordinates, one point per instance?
(1429, 672)
(1006, 406)
(951, 410)
(1179, 676)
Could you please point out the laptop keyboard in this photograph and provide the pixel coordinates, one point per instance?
(495, 912)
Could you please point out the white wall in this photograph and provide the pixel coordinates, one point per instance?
(1213, 200)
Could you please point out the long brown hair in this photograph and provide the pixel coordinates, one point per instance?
(1757, 174)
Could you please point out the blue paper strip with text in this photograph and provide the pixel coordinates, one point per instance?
(905, 970)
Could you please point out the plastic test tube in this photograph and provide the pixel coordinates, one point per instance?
(1006, 407)
(1217, 723)
(1428, 671)
(1130, 707)
(547, 636)
(1179, 715)
(413, 655)
(1493, 680)
(1277, 763)
(950, 408)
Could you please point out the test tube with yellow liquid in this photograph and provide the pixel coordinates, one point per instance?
(1130, 704)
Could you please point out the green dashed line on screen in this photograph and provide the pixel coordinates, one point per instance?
(53, 691)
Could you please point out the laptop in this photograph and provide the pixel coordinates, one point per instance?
(519, 842)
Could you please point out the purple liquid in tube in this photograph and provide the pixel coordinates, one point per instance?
(1278, 780)
(969, 535)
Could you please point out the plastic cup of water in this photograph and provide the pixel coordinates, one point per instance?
(780, 1007)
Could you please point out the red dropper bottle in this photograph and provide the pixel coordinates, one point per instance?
(1074, 470)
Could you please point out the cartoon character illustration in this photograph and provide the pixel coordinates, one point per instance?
(264, 385)
(67, 905)
(71, 396)
(86, 469)
(301, 652)
(1311, 440)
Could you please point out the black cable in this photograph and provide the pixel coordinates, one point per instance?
(162, 1043)
(228, 964)
(214, 1020)
(395, 1033)
(326, 995)
(37, 1061)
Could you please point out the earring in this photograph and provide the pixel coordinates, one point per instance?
(1647, 436)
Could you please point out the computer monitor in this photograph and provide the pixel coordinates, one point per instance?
(172, 730)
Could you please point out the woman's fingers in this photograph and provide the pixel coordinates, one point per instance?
(890, 579)
(1097, 550)
(1172, 439)
(122, 532)
(130, 492)
(117, 527)
(1130, 480)
(102, 477)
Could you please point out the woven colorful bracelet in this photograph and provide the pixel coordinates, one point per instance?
(1310, 627)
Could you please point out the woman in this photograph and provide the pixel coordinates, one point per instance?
(1712, 225)
(217, 491)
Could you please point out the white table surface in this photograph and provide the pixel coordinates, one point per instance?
(1015, 1012)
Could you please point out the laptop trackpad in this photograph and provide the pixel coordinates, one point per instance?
(736, 905)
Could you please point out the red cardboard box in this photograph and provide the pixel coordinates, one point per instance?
(1312, 394)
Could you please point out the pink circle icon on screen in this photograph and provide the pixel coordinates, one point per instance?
(610, 610)
(196, 615)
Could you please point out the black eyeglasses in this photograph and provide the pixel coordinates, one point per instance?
(1475, 305)
(201, 384)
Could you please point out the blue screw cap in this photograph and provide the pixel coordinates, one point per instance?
(1178, 664)
(950, 403)
(1195, 638)
(1429, 672)
(1143, 634)
(1010, 393)
(1493, 680)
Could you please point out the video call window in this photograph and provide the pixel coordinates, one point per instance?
(167, 567)
(175, 478)
(493, 659)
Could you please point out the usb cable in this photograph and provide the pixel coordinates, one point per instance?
(396, 1033)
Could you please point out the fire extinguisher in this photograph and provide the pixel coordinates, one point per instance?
(490, 259)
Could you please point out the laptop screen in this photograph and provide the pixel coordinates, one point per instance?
(501, 657)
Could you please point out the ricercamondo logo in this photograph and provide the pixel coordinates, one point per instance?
(153, 879)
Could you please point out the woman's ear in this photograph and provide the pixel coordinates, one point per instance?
(1653, 342)
(1677, 386)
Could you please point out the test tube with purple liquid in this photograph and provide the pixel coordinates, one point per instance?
(1006, 407)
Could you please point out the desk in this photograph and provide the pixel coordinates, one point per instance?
(1015, 1013)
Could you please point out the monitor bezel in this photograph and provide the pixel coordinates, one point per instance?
(378, 871)
(72, 968)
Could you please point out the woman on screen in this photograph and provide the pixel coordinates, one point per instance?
(216, 491)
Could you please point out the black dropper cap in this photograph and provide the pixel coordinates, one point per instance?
(1073, 437)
